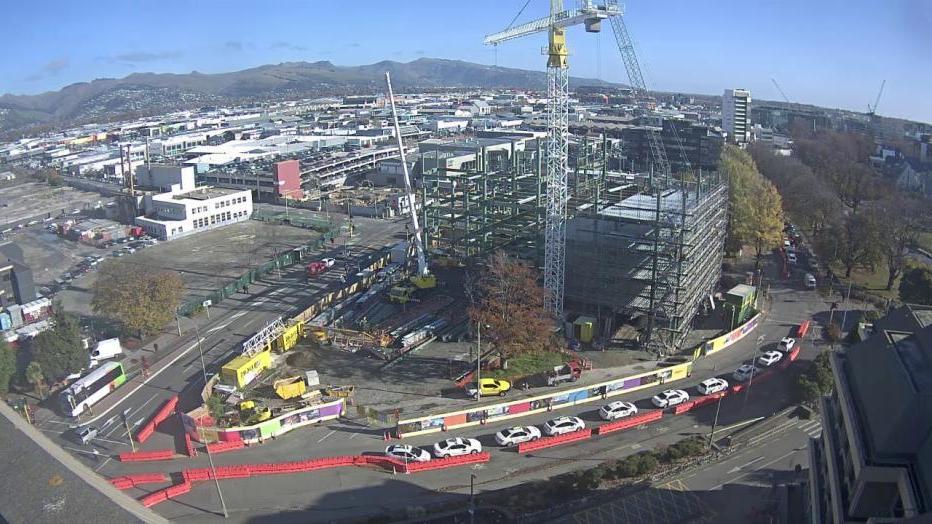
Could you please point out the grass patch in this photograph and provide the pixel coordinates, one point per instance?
(924, 240)
(529, 363)
(875, 283)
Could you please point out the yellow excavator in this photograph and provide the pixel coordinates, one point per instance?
(424, 279)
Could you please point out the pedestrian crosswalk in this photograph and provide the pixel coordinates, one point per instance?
(813, 428)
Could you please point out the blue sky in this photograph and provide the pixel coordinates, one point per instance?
(832, 53)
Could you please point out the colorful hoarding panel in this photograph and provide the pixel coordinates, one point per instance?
(722, 342)
(276, 426)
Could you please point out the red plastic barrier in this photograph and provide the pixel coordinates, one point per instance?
(145, 432)
(547, 442)
(708, 399)
(764, 375)
(147, 478)
(166, 410)
(178, 489)
(121, 483)
(736, 388)
(189, 446)
(794, 354)
(220, 447)
(629, 422)
(803, 329)
(154, 498)
(684, 407)
(233, 472)
(196, 475)
(449, 462)
(145, 456)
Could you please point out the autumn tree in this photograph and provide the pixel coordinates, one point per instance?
(916, 285)
(140, 298)
(58, 351)
(756, 207)
(511, 302)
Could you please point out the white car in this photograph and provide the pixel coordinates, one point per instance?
(329, 262)
(670, 397)
(712, 385)
(516, 435)
(744, 373)
(769, 358)
(787, 344)
(407, 453)
(786, 243)
(563, 425)
(454, 447)
(617, 409)
(791, 257)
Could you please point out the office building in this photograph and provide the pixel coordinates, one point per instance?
(177, 214)
(736, 115)
(16, 285)
(873, 461)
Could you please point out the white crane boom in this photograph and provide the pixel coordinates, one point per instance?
(422, 269)
(588, 13)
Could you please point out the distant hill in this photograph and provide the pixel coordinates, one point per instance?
(143, 93)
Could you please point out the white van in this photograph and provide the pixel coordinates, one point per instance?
(106, 349)
(810, 281)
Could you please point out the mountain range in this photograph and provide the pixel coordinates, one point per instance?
(147, 93)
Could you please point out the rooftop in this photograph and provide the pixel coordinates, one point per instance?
(205, 193)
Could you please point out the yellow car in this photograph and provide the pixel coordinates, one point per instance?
(488, 387)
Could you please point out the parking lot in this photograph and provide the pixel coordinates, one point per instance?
(34, 200)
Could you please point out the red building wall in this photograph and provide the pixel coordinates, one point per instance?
(287, 174)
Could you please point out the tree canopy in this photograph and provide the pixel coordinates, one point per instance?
(756, 207)
(143, 300)
(916, 285)
(7, 366)
(511, 302)
(58, 350)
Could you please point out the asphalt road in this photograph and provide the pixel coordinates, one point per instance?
(352, 492)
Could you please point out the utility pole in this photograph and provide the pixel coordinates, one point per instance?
(210, 458)
(478, 359)
(718, 406)
(129, 434)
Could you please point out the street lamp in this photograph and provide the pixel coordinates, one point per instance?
(479, 359)
(210, 458)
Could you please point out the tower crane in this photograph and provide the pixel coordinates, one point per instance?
(591, 15)
(774, 80)
(423, 279)
(872, 110)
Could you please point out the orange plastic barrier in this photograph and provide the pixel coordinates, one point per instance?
(220, 447)
(233, 472)
(708, 399)
(145, 432)
(168, 407)
(547, 442)
(189, 446)
(147, 478)
(736, 388)
(449, 462)
(121, 483)
(145, 456)
(629, 422)
(196, 475)
(684, 407)
(178, 489)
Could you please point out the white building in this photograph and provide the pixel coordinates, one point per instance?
(736, 115)
(181, 213)
(166, 178)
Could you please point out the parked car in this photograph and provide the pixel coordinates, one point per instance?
(516, 435)
(488, 387)
(810, 281)
(407, 453)
(791, 257)
(85, 434)
(712, 385)
(744, 373)
(769, 358)
(563, 425)
(329, 262)
(787, 344)
(454, 447)
(670, 397)
(617, 409)
(118, 253)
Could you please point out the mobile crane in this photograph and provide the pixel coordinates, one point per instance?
(423, 279)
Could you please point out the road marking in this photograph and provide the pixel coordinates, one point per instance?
(778, 459)
(109, 441)
(806, 426)
(76, 450)
(332, 431)
(100, 467)
(354, 435)
(739, 468)
(241, 313)
(739, 424)
(70, 425)
(136, 410)
(218, 328)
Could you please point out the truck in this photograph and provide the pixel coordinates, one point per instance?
(105, 349)
(569, 372)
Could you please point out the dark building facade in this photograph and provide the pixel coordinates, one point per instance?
(16, 286)
(873, 461)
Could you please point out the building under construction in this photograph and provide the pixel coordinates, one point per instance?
(641, 251)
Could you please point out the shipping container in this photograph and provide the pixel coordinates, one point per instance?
(244, 369)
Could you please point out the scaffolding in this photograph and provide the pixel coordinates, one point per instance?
(639, 249)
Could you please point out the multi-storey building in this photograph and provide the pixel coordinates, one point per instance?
(181, 213)
(736, 115)
(873, 461)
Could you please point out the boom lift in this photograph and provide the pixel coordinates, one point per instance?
(424, 279)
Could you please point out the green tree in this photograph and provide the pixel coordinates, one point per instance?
(916, 285)
(852, 243)
(143, 300)
(898, 222)
(7, 366)
(34, 376)
(816, 381)
(756, 216)
(58, 350)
